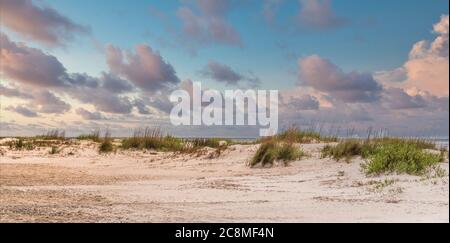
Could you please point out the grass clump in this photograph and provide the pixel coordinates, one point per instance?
(55, 134)
(266, 154)
(296, 135)
(288, 152)
(419, 143)
(400, 158)
(21, 144)
(54, 150)
(271, 151)
(209, 142)
(106, 145)
(387, 155)
(347, 149)
(94, 136)
(153, 139)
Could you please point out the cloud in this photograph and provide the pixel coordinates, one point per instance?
(47, 102)
(221, 73)
(324, 76)
(87, 115)
(115, 84)
(40, 23)
(22, 110)
(209, 24)
(41, 101)
(29, 66)
(13, 92)
(396, 75)
(303, 102)
(102, 99)
(36, 70)
(398, 99)
(225, 74)
(142, 107)
(427, 67)
(159, 101)
(145, 68)
(318, 15)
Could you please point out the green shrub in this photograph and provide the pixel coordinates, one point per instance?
(400, 158)
(349, 148)
(419, 143)
(387, 155)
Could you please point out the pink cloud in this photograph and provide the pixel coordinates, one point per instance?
(28, 65)
(42, 24)
(324, 76)
(145, 68)
(427, 68)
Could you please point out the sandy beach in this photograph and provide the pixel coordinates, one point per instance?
(80, 185)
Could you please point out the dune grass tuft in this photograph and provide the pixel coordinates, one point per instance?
(54, 134)
(106, 145)
(93, 136)
(54, 150)
(287, 152)
(272, 150)
(387, 155)
(347, 149)
(296, 135)
(400, 158)
(209, 142)
(21, 144)
(153, 139)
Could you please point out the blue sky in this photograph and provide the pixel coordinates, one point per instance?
(359, 63)
(378, 37)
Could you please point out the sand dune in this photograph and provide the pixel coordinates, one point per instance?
(79, 185)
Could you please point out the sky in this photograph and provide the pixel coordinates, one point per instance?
(82, 65)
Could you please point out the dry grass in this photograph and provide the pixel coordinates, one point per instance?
(106, 145)
(155, 139)
(271, 151)
(54, 134)
(93, 136)
(296, 135)
(152, 139)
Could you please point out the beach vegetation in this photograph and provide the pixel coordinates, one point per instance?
(271, 151)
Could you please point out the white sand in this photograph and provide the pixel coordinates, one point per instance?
(162, 187)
